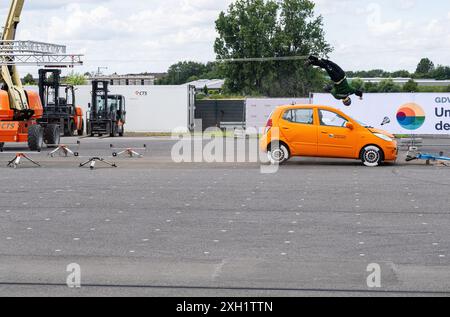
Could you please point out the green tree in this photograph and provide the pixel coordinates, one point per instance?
(425, 67)
(75, 79)
(374, 73)
(411, 86)
(29, 80)
(388, 85)
(441, 73)
(371, 87)
(400, 74)
(358, 83)
(270, 28)
(181, 72)
(192, 78)
(184, 72)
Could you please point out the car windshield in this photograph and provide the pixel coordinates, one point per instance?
(363, 124)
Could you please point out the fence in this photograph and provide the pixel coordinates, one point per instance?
(214, 112)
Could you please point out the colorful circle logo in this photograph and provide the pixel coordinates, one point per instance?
(411, 116)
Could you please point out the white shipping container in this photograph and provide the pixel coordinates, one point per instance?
(149, 108)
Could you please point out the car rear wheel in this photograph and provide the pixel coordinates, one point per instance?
(278, 154)
(372, 156)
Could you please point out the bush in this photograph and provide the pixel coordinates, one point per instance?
(411, 86)
(371, 87)
(357, 83)
(388, 85)
(75, 80)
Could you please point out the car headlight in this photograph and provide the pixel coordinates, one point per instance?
(383, 137)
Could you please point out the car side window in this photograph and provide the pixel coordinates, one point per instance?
(288, 116)
(331, 119)
(302, 116)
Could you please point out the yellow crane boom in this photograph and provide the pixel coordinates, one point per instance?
(9, 74)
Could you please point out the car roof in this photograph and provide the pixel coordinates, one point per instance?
(286, 107)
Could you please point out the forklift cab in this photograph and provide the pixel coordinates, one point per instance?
(58, 101)
(107, 112)
(120, 108)
(55, 97)
(112, 109)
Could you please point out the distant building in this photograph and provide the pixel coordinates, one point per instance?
(403, 81)
(126, 80)
(211, 84)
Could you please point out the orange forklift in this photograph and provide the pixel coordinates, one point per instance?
(20, 110)
(59, 105)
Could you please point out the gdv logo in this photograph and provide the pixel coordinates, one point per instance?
(442, 100)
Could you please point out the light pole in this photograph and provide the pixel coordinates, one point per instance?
(99, 70)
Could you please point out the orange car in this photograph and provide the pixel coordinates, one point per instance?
(320, 131)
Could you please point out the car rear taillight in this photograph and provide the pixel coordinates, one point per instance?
(269, 125)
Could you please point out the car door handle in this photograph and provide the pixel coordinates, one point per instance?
(331, 135)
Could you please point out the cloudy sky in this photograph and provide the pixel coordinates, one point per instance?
(149, 35)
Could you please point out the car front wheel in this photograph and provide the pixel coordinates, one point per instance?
(372, 156)
(278, 154)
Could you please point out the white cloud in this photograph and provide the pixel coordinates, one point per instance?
(141, 35)
(407, 4)
(375, 23)
(126, 36)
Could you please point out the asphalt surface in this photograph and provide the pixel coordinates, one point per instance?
(152, 227)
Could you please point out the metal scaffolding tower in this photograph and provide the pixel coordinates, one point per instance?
(33, 53)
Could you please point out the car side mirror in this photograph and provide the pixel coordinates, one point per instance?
(349, 125)
(89, 105)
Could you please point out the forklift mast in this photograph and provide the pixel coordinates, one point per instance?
(49, 84)
(100, 94)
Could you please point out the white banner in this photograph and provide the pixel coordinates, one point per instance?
(410, 113)
(258, 110)
(149, 108)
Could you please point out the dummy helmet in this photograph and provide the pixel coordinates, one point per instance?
(347, 101)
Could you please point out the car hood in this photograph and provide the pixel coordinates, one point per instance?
(373, 130)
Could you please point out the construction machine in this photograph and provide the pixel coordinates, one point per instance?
(59, 103)
(20, 109)
(107, 113)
